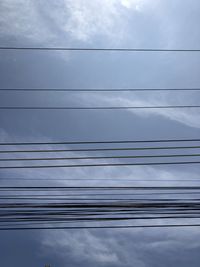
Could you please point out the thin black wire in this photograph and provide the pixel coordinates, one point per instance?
(98, 49)
(100, 157)
(100, 227)
(94, 149)
(99, 108)
(54, 221)
(99, 208)
(126, 203)
(101, 179)
(35, 197)
(60, 221)
(100, 165)
(116, 206)
(192, 193)
(100, 187)
(100, 142)
(62, 208)
(121, 212)
(97, 90)
(29, 214)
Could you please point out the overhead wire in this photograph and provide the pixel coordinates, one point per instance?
(36, 212)
(100, 187)
(98, 49)
(96, 89)
(100, 165)
(101, 227)
(98, 108)
(99, 157)
(101, 179)
(97, 149)
(100, 142)
(24, 216)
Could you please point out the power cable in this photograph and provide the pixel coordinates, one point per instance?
(95, 149)
(100, 227)
(99, 108)
(100, 165)
(100, 187)
(100, 157)
(97, 49)
(97, 90)
(100, 142)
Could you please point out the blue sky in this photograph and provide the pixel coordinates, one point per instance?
(100, 23)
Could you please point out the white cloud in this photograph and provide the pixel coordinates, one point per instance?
(92, 18)
(86, 246)
(21, 19)
(120, 247)
(65, 20)
(136, 4)
(188, 116)
(61, 23)
(83, 246)
(111, 248)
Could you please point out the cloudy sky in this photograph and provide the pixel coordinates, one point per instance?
(100, 23)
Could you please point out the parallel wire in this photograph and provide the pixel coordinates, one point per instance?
(100, 165)
(43, 214)
(99, 157)
(99, 108)
(97, 90)
(100, 142)
(100, 227)
(101, 179)
(26, 218)
(47, 213)
(100, 188)
(97, 49)
(96, 149)
(82, 196)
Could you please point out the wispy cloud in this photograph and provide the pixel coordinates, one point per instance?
(65, 20)
(188, 117)
(121, 247)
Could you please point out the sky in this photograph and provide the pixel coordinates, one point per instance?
(100, 23)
